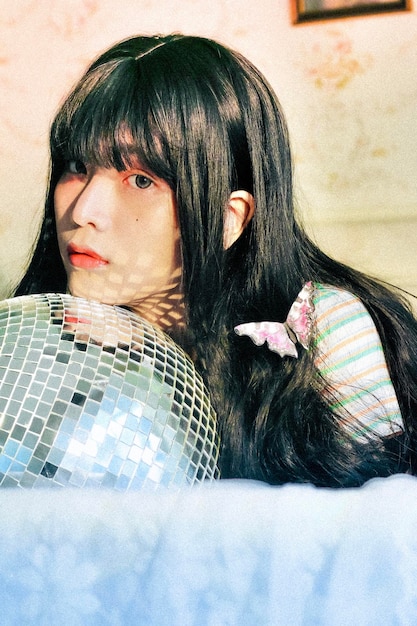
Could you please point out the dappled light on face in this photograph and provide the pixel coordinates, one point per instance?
(119, 240)
(163, 306)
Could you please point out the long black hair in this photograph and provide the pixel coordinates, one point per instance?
(203, 118)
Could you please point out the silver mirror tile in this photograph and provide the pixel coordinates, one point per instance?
(92, 395)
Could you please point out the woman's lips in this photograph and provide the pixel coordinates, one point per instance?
(84, 257)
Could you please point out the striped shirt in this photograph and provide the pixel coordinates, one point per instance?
(350, 356)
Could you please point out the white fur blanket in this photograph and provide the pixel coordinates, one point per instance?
(233, 554)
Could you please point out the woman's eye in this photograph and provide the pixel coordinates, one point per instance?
(76, 167)
(139, 181)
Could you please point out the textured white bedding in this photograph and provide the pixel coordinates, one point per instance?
(234, 553)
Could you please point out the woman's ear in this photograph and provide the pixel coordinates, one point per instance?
(239, 212)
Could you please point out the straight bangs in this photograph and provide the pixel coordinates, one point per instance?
(108, 121)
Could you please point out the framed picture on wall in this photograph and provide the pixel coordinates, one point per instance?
(310, 10)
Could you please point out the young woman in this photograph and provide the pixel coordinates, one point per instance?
(171, 194)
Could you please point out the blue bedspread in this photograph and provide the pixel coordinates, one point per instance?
(235, 553)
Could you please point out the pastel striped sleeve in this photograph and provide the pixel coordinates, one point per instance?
(350, 356)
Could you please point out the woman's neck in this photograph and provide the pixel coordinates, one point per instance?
(164, 309)
(168, 314)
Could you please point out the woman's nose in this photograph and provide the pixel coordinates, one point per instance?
(93, 203)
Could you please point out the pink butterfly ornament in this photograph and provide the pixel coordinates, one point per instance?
(282, 337)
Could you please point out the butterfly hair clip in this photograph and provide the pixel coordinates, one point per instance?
(282, 337)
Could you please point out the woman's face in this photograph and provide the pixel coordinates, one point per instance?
(119, 238)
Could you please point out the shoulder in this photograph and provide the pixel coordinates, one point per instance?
(335, 307)
(343, 329)
(350, 355)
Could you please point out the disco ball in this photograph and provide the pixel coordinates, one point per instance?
(93, 395)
